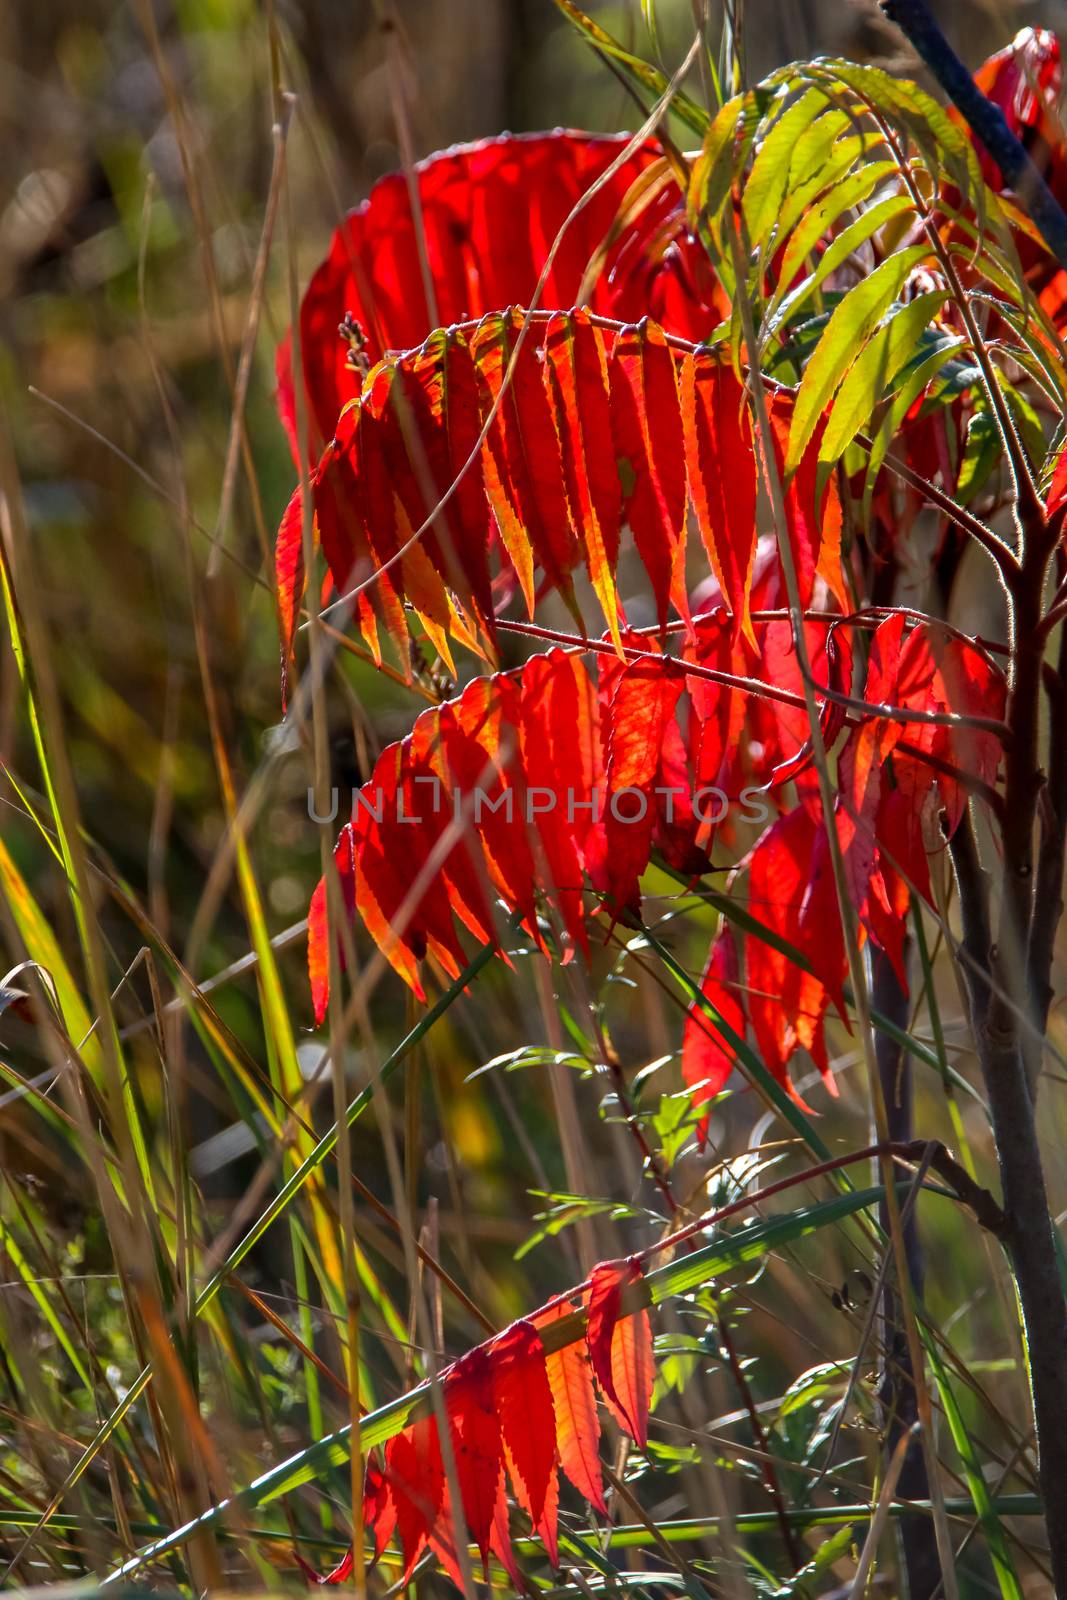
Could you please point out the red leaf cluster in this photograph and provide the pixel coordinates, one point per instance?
(516, 1413)
(489, 214)
(896, 781)
(546, 492)
(538, 782)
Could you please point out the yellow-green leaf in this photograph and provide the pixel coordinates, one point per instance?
(844, 335)
(873, 371)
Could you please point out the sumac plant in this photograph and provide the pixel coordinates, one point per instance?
(712, 499)
(674, 461)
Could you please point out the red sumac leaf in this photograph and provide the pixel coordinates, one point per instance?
(707, 1059)
(489, 214)
(786, 1005)
(340, 1574)
(576, 375)
(861, 766)
(643, 702)
(556, 700)
(570, 1379)
(522, 461)
(318, 930)
(500, 1541)
(475, 1430)
(1057, 489)
(356, 540)
(646, 422)
(1009, 78)
(289, 577)
(522, 1397)
(416, 1479)
(813, 516)
(721, 464)
(620, 1346)
(379, 1506)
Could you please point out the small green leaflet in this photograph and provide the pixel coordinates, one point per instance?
(846, 332)
(769, 178)
(874, 371)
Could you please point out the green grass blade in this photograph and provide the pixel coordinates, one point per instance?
(277, 1206)
(678, 1277)
(992, 1527)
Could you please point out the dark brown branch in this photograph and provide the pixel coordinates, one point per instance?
(972, 885)
(1000, 982)
(1048, 896)
(915, 21)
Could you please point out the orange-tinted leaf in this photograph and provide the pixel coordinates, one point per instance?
(576, 376)
(523, 465)
(646, 421)
(721, 465)
(318, 933)
(620, 1346)
(570, 1379)
(353, 533)
(289, 577)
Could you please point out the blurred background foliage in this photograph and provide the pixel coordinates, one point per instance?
(135, 161)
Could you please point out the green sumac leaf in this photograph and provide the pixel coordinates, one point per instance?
(812, 1386)
(874, 370)
(937, 136)
(747, 1244)
(903, 400)
(849, 240)
(769, 178)
(819, 181)
(713, 171)
(847, 330)
(822, 217)
(821, 146)
(1026, 419)
(981, 453)
(1040, 348)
